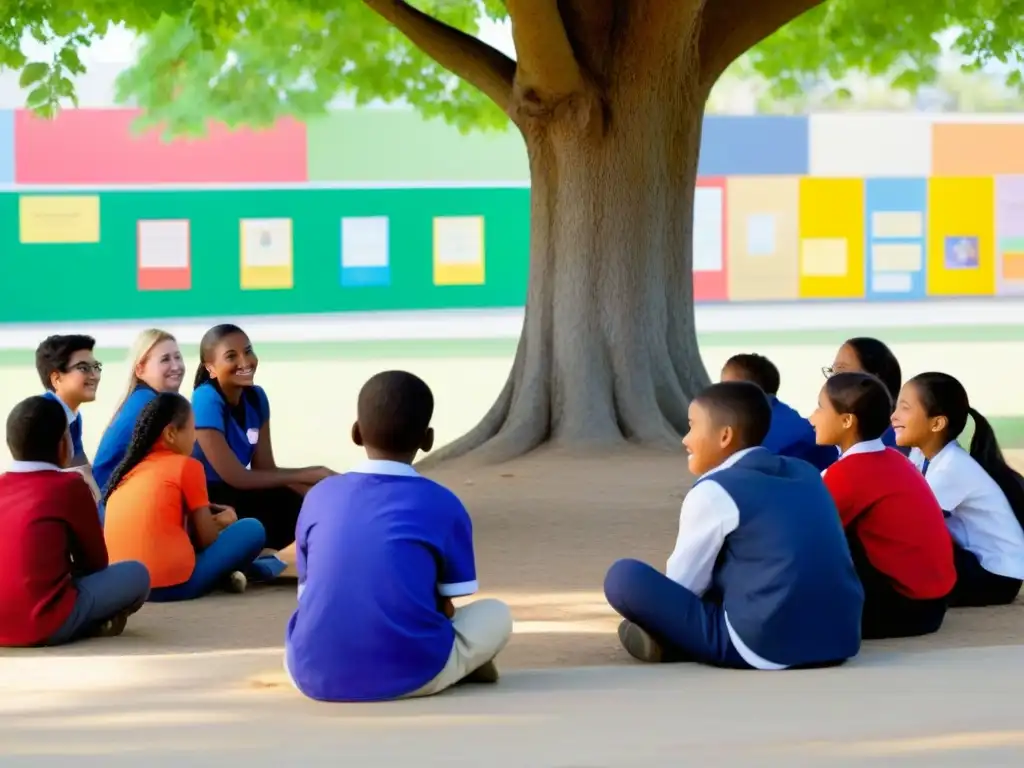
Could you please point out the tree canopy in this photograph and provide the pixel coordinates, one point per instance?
(250, 62)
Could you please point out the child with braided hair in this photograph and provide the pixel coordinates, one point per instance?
(158, 511)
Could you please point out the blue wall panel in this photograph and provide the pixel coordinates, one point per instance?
(754, 146)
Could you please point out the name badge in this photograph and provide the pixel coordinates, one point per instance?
(253, 435)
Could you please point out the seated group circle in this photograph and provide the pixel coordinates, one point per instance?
(883, 519)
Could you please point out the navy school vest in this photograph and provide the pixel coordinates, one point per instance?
(786, 577)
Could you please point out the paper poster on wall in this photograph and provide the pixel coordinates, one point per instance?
(458, 250)
(164, 254)
(59, 219)
(266, 246)
(761, 238)
(707, 230)
(961, 252)
(897, 224)
(897, 257)
(823, 257)
(364, 251)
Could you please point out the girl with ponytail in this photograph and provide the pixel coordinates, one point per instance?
(158, 512)
(232, 418)
(982, 496)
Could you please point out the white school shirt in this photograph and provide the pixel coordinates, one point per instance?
(707, 517)
(980, 518)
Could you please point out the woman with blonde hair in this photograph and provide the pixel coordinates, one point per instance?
(156, 366)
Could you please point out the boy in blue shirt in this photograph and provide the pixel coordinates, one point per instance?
(761, 576)
(382, 551)
(70, 374)
(790, 433)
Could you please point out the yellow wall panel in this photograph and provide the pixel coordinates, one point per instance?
(761, 237)
(831, 238)
(961, 236)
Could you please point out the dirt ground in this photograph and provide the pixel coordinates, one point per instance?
(546, 528)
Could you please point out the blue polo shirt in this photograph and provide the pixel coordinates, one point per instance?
(239, 424)
(74, 425)
(792, 435)
(118, 435)
(376, 546)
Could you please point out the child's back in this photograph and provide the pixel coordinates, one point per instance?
(788, 583)
(792, 435)
(373, 541)
(47, 517)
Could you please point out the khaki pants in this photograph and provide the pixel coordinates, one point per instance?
(482, 629)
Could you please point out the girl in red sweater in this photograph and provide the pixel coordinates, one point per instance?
(894, 525)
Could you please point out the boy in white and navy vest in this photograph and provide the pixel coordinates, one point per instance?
(761, 576)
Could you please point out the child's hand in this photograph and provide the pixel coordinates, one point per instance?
(223, 515)
(446, 606)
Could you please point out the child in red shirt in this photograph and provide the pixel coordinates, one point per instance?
(56, 585)
(894, 525)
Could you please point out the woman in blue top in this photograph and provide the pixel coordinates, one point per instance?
(233, 440)
(864, 354)
(157, 366)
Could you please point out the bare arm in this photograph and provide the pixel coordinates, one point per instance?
(205, 526)
(232, 472)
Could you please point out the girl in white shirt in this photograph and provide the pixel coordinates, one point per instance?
(983, 498)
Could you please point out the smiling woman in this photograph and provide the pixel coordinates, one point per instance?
(157, 366)
(233, 440)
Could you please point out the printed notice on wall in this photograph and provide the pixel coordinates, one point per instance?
(53, 219)
(266, 242)
(163, 244)
(364, 242)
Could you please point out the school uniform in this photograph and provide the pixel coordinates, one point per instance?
(277, 509)
(898, 539)
(761, 575)
(792, 435)
(144, 522)
(56, 584)
(74, 425)
(376, 548)
(988, 540)
(118, 434)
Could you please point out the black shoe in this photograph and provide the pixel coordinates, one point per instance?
(639, 644)
(113, 626)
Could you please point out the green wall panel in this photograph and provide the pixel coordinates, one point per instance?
(40, 282)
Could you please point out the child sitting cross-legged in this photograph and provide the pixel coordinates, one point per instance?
(56, 585)
(158, 511)
(898, 538)
(761, 576)
(381, 552)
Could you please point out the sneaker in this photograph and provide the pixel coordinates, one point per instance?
(488, 673)
(235, 583)
(638, 643)
(113, 626)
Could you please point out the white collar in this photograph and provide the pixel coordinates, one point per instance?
(384, 467)
(865, 446)
(944, 455)
(32, 466)
(730, 461)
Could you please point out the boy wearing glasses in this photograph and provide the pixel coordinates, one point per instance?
(70, 374)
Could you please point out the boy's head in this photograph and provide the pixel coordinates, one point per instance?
(66, 365)
(37, 430)
(754, 368)
(725, 418)
(393, 416)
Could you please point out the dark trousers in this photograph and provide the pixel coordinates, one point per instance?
(685, 626)
(276, 508)
(119, 588)
(976, 587)
(887, 612)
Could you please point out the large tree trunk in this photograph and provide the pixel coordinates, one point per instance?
(608, 352)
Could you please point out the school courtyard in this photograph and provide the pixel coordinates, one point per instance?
(201, 683)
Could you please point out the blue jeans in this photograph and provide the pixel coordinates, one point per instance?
(101, 596)
(235, 548)
(687, 627)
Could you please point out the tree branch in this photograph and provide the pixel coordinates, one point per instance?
(473, 60)
(730, 28)
(547, 67)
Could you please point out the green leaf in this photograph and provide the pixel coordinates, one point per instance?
(32, 73)
(39, 96)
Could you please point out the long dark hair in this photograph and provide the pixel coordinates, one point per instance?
(877, 359)
(211, 339)
(866, 397)
(943, 395)
(166, 408)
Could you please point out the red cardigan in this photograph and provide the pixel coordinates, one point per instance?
(48, 519)
(895, 516)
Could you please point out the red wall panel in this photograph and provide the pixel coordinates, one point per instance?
(712, 286)
(98, 146)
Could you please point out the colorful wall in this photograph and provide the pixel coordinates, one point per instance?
(377, 209)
